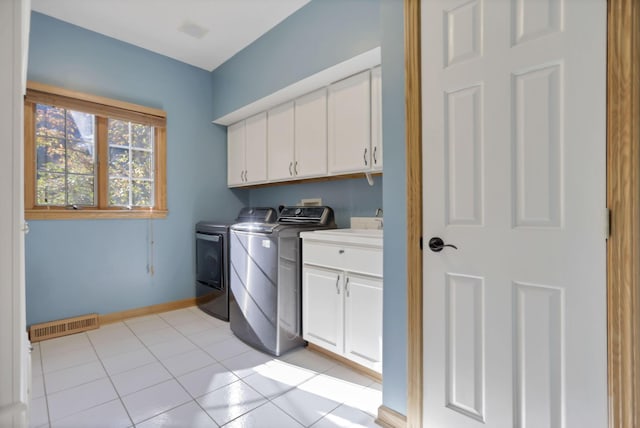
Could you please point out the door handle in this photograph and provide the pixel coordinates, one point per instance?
(436, 244)
(337, 285)
(365, 157)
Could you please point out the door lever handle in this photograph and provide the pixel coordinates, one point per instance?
(436, 244)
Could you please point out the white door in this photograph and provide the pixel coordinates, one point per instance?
(311, 135)
(280, 142)
(256, 149)
(322, 308)
(15, 366)
(350, 124)
(235, 154)
(514, 176)
(363, 320)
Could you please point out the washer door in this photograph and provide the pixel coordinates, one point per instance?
(209, 260)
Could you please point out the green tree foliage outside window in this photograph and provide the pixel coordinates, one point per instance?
(130, 164)
(66, 161)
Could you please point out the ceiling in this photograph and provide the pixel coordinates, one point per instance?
(203, 33)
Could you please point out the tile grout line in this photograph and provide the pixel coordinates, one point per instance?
(111, 381)
(150, 386)
(44, 384)
(174, 377)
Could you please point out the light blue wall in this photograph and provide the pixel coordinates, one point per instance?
(348, 198)
(81, 266)
(101, 265)
(324, 33)
(319, 35)
(394, 193)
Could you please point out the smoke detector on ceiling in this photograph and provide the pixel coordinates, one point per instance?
(193, 29)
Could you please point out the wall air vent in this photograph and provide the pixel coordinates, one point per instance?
(64, 327)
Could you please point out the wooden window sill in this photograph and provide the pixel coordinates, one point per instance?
(88, 213)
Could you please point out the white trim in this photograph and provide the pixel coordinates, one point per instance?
(323, 78)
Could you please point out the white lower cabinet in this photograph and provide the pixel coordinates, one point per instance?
(342, 298)
(363, 320)
(322, 308)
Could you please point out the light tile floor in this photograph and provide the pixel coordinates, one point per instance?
(186, 369)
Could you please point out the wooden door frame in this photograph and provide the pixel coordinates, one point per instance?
(623, 199)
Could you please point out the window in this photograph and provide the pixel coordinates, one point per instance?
(91, 157)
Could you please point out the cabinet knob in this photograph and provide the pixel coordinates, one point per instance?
(340, 251)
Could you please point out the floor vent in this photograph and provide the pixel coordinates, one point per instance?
(49, 330)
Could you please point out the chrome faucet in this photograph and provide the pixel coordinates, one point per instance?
(379, 215)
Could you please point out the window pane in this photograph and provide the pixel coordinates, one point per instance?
(50, 121)
(80, 126)
(141, 164)
(118, 133)
(142, 136)
(118, 192)
(130, 158)
(50, 189)
(80, 189)
(50, 154)
(141, 193)
(80, 157)
(118, 162)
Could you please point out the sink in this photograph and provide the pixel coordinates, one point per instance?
(353, 236)
(360, 232)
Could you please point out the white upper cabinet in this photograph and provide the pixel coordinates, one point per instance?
(311, 135)
(256, 149)
(280, 137)
(376, 118)
(334, 130)
(349, 119)
(247, 151)
(235, 154)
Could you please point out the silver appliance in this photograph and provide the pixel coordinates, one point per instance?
(265, 278)
(212, 260)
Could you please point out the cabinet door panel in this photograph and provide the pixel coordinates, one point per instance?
(363, 320)
(322, 310)
(256, 148)
(311, 135)
(350, 124)
(280, 142)
(376, 118)
(235, 154)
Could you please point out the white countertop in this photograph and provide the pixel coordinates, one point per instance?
(373, 237)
